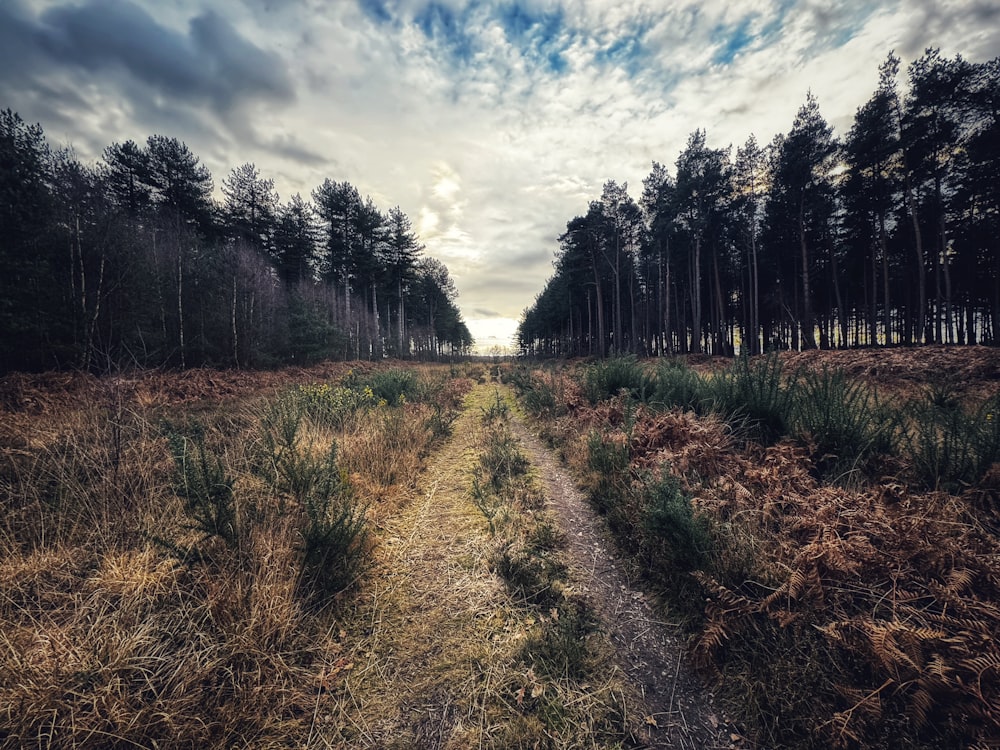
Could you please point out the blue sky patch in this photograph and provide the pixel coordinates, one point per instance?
(540, 37)
(732, 40)
(376, 10)
(443, 25)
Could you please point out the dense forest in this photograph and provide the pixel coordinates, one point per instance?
(889, 235)
(134, 262)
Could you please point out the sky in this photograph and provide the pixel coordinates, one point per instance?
(490, 123)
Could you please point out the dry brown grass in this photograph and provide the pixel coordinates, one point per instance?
(107, 638)
(440, 655)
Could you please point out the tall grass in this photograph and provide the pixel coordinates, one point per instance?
(755, 395)
(678, 386)
(950, 446)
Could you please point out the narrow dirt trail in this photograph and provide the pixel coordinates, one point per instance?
(436, 642)
(651, 652)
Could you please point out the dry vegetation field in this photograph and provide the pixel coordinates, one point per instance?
(364, 557)
(339, 557)
(177, 549)
(825, 523)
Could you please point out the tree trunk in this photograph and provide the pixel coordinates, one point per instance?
(180, 301)
(696, 298)
(601, 351)
(809, 335)
(236, 349)
(887, 311)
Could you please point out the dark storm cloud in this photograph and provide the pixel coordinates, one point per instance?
(18, 53)
(211, 63)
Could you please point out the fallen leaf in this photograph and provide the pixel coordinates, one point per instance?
(652, 722)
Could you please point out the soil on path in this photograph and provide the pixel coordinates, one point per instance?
(436, 620)
(650, 651)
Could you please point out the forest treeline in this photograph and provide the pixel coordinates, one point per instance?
(888, 235)
(134, 262)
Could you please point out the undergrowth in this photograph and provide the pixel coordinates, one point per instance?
(821, 543)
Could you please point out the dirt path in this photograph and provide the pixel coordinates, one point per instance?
(649, 650)
(433, 654)
(437, 620)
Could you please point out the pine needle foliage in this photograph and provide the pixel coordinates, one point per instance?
(202, 481)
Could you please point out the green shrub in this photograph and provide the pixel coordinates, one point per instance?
(395, 386)
(678, 386)
(541, 400)
(559, 648)
(502, 460)
(607, 378)
(755, 396)
(843, 419)
(202, 482)
(949, 447)
(529, 574)
(497, 411)
(332, 406)
(519, 377)
(441, 420)
(606, 457)
(334, 536)
(288, 462)
(677, 540)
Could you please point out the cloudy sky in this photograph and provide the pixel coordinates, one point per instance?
(491, 123)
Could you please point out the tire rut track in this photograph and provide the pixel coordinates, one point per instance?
(680, 711)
